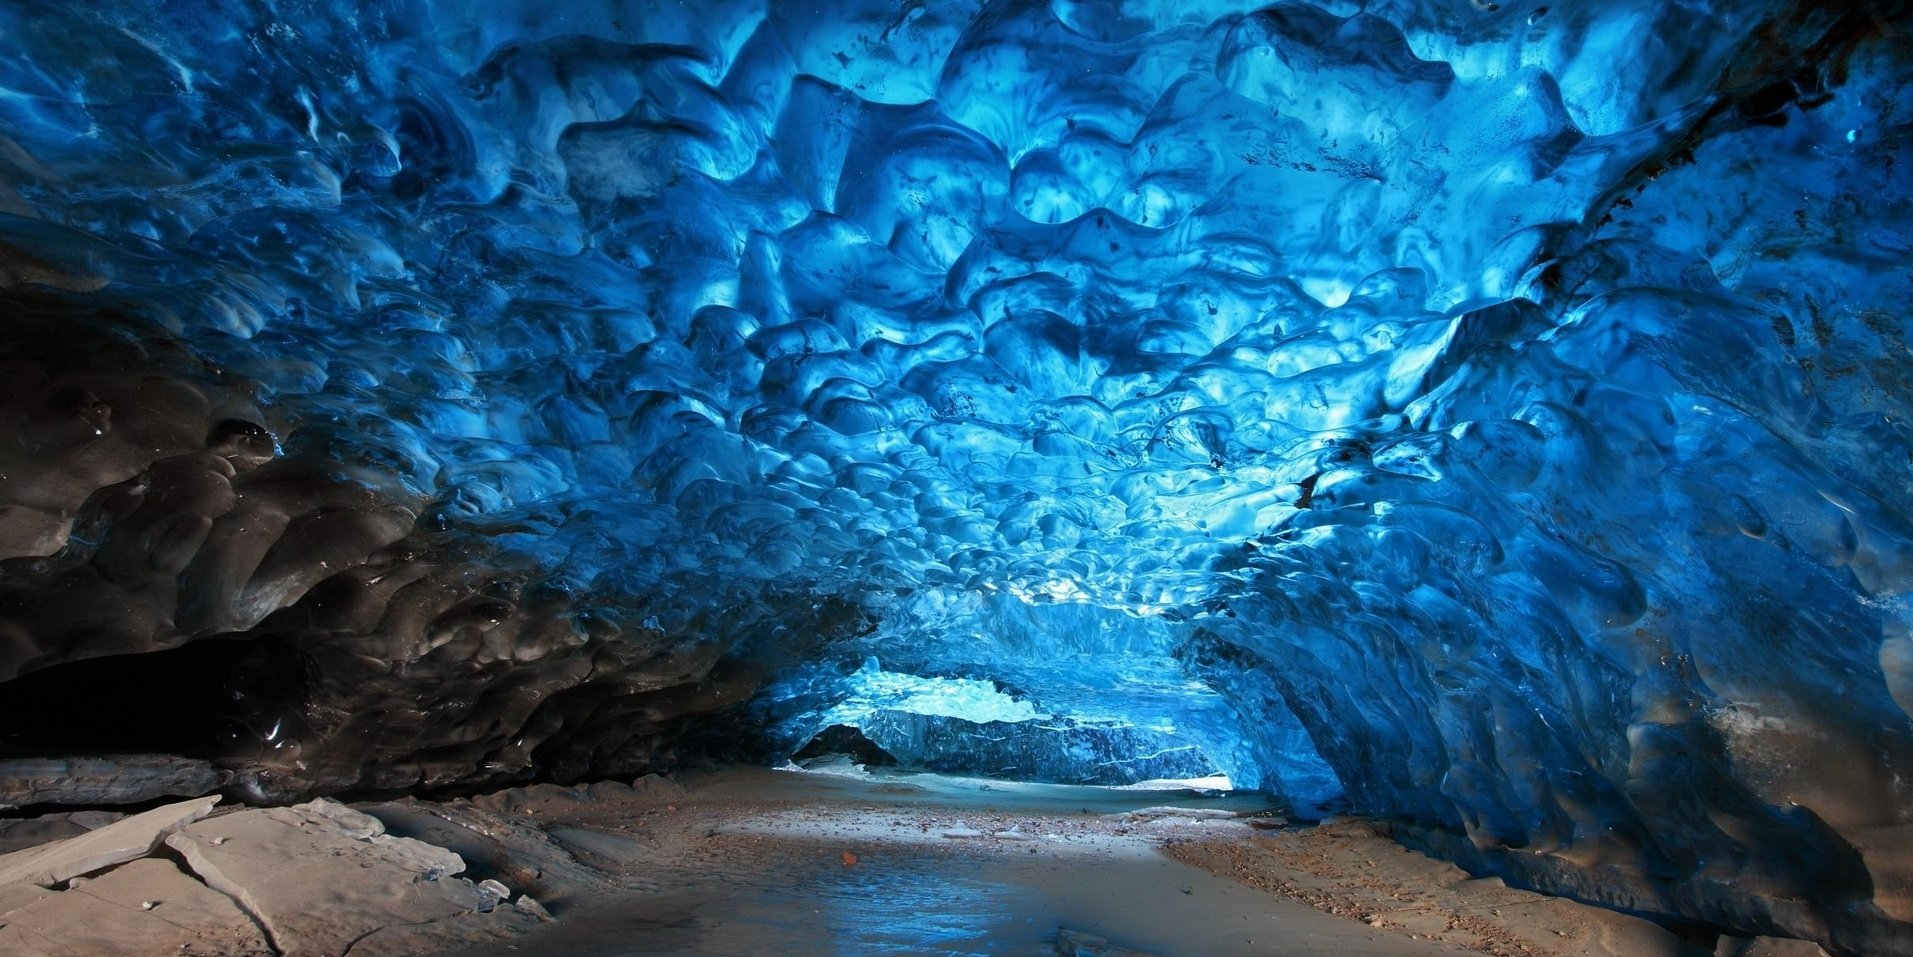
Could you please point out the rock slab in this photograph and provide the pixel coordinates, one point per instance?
(320, 877)
(20, 833)
(115, 843)
(147, 906)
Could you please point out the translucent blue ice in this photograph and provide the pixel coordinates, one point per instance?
(1065, 692)
(873, 689)
(1509, 402)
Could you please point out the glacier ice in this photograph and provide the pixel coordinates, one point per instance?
(1064, 692)
(1494, 414)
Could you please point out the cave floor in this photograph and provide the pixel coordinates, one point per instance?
(751, 861)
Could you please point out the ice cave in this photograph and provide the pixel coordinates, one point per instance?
(1118, 477)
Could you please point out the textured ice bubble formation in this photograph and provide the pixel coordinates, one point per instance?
(1507, 403)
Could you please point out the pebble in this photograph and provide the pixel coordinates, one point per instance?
(530, 905)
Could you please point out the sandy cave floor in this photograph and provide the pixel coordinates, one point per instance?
(749, 862)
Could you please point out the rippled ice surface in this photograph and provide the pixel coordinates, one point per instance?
(1124, 303)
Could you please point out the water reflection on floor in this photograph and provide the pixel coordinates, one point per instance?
(885, 907)
(941, 866)
(1008, 905)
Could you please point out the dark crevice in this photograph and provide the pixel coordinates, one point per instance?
(177, 701)
(168, 852)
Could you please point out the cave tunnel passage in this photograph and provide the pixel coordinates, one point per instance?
(1493, 418)
(1000, 685)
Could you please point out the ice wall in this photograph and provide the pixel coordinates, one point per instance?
(1513, 397)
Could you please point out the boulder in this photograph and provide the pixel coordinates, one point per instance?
(1766, 947)
(658, 789)
(1075, 943)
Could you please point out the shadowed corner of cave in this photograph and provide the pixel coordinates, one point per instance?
(167, 701)
(610, 478)
(843, 742)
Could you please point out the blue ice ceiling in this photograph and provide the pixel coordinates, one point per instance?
(1510, 400)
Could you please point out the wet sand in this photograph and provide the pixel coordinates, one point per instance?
(749, 862)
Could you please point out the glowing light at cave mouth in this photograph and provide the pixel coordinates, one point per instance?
(967, 699)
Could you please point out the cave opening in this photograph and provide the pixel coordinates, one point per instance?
(969, 727)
